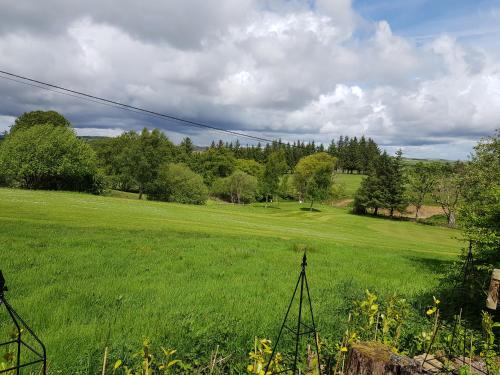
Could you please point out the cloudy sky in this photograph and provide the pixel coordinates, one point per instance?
(423, 75)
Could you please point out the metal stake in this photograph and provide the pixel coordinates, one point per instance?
(297, 334)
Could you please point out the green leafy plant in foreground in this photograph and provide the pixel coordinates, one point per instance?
(391, 323)
(145, 362)
(260, 356)
(488, 345)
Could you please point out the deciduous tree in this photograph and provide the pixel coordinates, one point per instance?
(448, 190)
(313, 176)
(274, 168)
(49, 157)
(177, 183)
(421, 182)
(29, 119)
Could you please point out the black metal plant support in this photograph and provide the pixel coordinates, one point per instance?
(298, 332)
(20, 324)
(466, 274)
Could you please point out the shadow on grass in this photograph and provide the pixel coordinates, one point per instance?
(455, 295)
(384, 217)
(435, 220)
(436, 266)
(309, 209)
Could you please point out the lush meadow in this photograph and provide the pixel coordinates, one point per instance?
(92, 271)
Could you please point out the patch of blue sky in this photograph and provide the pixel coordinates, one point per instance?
(427, 19)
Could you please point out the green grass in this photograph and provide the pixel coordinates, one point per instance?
(91, 271)
(351, 183)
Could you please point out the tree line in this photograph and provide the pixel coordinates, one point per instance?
(42, 151)
(393, 185)
(352, 155)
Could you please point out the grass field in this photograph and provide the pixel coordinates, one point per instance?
(89, 271)
(350, 182)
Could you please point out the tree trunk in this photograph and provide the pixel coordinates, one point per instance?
(140, 192)
(267, 197)
(392, 212)
(311, 207)
(375, 212)
(417, 208)
(451, 219)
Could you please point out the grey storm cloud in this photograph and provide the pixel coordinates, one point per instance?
(288, 69)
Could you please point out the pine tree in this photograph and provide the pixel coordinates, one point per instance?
(384, 187)
(395, 197)
(332, 148)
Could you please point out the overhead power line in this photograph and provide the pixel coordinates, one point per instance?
(114, 104)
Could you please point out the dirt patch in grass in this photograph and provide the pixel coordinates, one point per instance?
(425, 211)
(342, 203)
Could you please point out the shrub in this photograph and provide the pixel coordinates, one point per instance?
(238, 188)
(49, 157)
(178, 183)
(338, 191)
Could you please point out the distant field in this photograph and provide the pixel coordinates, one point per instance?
(351, 182)
(412, 161)
(89, 271)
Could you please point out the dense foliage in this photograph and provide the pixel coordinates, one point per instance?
(240, 187)
(47, 156)
(29, 119)
(479, 218)
(274, 168)
(177, 183)
(352, 154)
(232, 172)
(132, 160)
(313, 176)
(384, 187)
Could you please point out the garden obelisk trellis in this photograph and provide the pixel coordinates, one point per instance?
(467, 274)
(301, 329)
(40, 356)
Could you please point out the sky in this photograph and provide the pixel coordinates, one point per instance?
(420, 75)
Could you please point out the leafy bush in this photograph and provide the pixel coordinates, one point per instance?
(240, 187)
(338, 191)
(251, 167)
(178, 183)
(49, 157)
(260, 356)
(214, 163)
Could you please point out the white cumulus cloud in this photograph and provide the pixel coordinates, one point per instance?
(289, 69)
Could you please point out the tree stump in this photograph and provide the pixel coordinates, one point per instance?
(374, 358)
